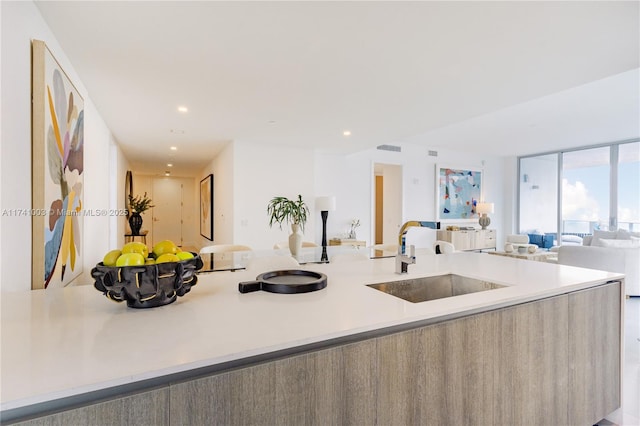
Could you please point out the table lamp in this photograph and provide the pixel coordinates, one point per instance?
(325, 205)
(483, 209)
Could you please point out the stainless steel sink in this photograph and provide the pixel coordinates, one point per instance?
(430, 288)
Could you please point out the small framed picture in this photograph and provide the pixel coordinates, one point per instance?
(206, 207)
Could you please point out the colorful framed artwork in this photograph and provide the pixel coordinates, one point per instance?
(206, 207)
(57, 173)
(458, 190)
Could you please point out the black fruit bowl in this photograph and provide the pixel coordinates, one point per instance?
(147, 286)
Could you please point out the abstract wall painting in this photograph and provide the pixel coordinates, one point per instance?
(206, 207)
(57, 173)
(458, 190)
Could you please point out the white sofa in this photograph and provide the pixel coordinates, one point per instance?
(613, 251)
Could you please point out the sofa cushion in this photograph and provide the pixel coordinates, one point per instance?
(630, 243)
(623, 234)
(598, 234)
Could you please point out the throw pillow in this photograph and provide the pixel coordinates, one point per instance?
(571, 239)
(623, 234)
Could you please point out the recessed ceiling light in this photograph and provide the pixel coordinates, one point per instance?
(182, 108)
(167, 173)
(169, 165)
(174, 148)
(177, 131)
(347, 133)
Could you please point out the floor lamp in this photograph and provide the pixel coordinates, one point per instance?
(325, 205)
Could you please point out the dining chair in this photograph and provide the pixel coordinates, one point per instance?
(443, 247)
(221, 250)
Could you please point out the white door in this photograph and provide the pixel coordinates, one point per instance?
(167, 210)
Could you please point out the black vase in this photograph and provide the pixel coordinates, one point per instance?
(135, 222)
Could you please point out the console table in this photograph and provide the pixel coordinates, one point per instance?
(129, 237)
(347, 242)
(470, 240)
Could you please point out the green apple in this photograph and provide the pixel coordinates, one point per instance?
(130, 259)
(164, 247)
(185, 255)
(167, 257)
(111, 258)
(136, 247)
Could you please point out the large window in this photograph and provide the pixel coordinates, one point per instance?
(585, 190)
(578, 191)
(629, 187)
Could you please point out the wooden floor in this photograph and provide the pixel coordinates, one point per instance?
(629, 414)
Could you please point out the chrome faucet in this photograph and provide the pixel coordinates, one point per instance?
(402, 260)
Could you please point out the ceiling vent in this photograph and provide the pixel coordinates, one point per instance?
(433, 153)
(389, 148)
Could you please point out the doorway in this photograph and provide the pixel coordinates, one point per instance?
(167, 211)
(387, 210)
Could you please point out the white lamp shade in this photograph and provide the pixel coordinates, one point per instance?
(326, 204)
(484, 208)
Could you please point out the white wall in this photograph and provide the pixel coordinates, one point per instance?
(539, 195)
(21, 22)
(247, 176)
(221, 167)
(260, 173)
(350, 179)
(118, 166)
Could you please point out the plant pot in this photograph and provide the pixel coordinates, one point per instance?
(135, 222)
(295, 240)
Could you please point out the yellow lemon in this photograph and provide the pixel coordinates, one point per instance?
(130, 259)
(167, 257)
(164, 247)
(111, 258)
(185, 255)
(136, 247)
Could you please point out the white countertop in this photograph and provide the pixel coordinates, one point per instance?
(63, 342)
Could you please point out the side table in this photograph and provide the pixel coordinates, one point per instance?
(132, 237)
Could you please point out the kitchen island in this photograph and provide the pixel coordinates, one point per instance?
(545, 348)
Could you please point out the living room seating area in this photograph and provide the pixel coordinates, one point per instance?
(615, 251)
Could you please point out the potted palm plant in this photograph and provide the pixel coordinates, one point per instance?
(138, 205)
(294, 212)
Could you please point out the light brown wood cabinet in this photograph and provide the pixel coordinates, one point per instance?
(478, 239)
(551, 361)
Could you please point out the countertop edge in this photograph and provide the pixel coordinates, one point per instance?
(20, 410)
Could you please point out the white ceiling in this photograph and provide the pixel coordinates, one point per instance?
(501, 78)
